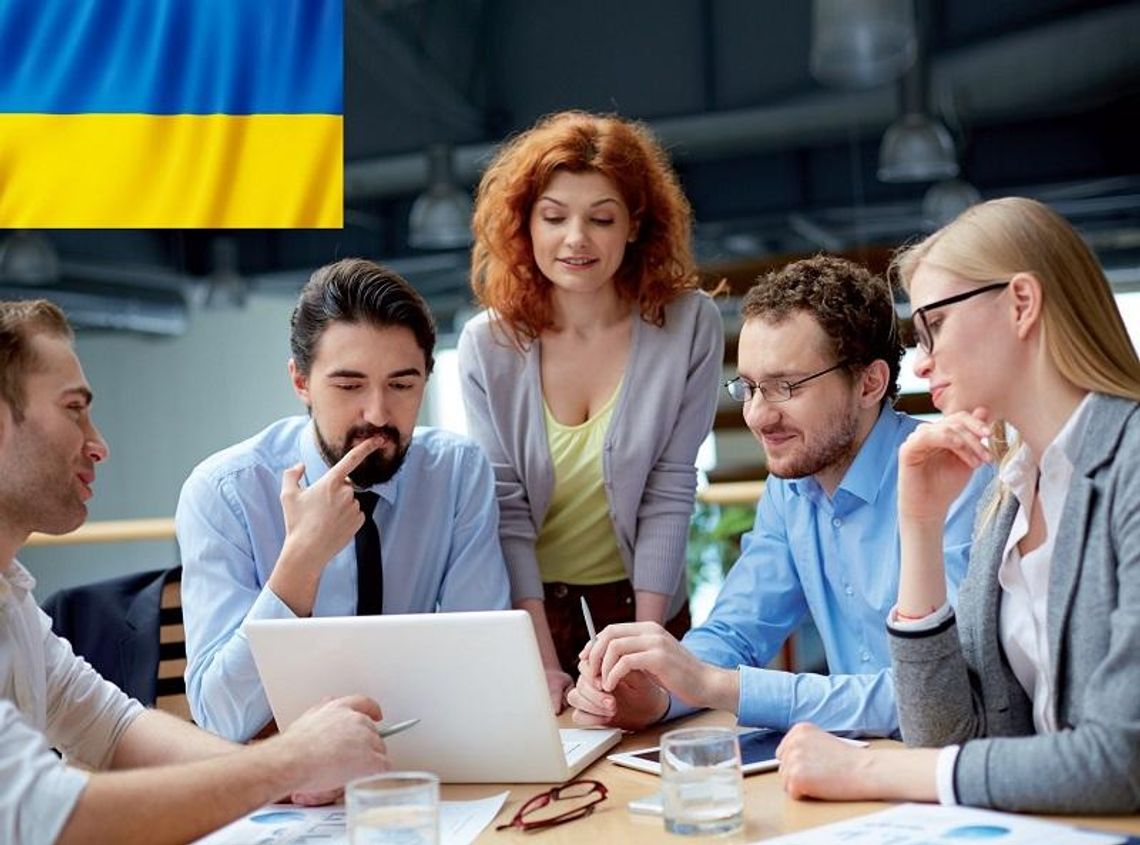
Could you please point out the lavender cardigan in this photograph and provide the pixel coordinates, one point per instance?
(663, 413)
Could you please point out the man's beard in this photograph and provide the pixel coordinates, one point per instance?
(836, 446)
(376, 468)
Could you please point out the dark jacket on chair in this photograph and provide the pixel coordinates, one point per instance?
(114, 625)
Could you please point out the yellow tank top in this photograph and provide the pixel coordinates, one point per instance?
(577, 543)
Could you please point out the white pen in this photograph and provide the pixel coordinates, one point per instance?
(589, 621)
(391, 730)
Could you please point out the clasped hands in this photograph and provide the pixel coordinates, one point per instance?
(629, 671)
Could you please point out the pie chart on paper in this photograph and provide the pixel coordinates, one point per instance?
(977, 831)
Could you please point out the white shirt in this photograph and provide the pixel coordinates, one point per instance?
(48, 698)
(1024, 580)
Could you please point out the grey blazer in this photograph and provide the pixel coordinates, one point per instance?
(954, 684)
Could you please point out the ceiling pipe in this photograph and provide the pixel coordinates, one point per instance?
(1041, 71)
(1031, 72)
(146, 314)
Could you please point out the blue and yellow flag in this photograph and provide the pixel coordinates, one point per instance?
(171, 113)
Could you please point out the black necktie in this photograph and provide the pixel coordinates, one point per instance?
(369, 572)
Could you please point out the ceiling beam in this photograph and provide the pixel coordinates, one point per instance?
(1041, 70)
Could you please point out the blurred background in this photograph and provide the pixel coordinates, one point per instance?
(846, 126)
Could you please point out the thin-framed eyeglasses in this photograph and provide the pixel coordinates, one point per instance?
(926, 329)
(593, 792)
(773, 389)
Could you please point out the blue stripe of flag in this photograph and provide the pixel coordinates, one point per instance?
(238, 57)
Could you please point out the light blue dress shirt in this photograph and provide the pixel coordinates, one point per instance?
(838, 559)
(439, 542)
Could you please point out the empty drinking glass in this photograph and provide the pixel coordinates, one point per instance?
(394, 808)
(701, 781)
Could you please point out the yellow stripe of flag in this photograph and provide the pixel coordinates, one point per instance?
(244, 171)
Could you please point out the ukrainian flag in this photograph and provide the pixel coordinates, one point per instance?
(171, 113)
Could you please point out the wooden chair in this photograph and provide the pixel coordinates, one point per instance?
(170, 691)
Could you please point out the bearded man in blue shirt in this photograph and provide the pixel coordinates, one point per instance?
(818, 365)
(349, 510)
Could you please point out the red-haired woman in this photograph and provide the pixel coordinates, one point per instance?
(591, 378)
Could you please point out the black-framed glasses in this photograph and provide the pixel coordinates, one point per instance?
(584, 794)
(926, 329)
(772, 390)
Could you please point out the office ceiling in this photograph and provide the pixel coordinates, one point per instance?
(1037, 94)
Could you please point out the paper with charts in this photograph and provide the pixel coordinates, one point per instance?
(925, 824)
(286, 824)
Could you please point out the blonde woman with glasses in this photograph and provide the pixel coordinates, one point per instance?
(1024, 696)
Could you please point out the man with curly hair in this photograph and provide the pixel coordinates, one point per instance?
(818, 365)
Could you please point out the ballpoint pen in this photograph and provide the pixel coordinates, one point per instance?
(589, 621)
(391, 730)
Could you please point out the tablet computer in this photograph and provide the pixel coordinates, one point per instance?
(757, 754)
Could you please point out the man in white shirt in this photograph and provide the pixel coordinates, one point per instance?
(170, 781)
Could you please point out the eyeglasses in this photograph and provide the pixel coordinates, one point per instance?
(575, 790)
(772, 390)
(926, 328)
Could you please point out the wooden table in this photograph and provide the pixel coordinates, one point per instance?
(768, 811)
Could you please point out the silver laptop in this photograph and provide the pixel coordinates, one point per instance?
(474, 680)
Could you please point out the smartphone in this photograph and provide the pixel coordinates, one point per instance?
(652, 804)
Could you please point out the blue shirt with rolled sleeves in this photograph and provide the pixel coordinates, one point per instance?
(836, 558)
(439, 542)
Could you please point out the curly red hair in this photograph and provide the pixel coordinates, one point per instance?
(657, 267)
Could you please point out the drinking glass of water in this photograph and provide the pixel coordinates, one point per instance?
(701, 781)
(394, 808)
